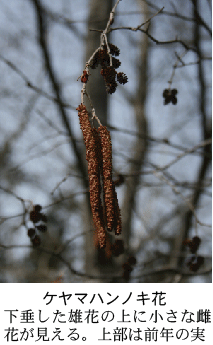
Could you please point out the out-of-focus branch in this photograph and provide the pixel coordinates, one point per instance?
(32, 86)
(201, 21)
(205, 123)
(198, 19)
(188, 203)
(66, 22)
(172, 270)
(206, 131)
(8, 191)
(42, 35)
(204, 143)
(155, 40)
(73, 271)
(156, 140)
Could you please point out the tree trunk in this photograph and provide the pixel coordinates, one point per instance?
(98, 17)
(140, 146)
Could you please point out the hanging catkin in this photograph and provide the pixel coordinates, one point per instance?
(106, 149)
(93, 173)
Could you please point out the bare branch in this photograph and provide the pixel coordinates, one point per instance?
(33, 87)
(55, 83)
(182, 155)
(155, 40)
(188, 203)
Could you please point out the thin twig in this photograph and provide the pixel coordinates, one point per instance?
(31, 85)
(155, 40)
(177, 192)
(186, 152)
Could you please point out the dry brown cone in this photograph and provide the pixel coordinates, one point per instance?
(106, 149)
(93, 173)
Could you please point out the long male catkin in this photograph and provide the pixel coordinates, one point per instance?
(106, 148)
(93, 173)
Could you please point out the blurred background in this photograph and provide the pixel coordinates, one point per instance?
(161, 152)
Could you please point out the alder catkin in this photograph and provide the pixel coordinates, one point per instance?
(106, 149)
(93, 173)
(100, 160)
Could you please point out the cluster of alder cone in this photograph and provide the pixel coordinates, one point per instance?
(195, 261)
(169, 96)
(103, 197)
(108, 64)
(39, 221)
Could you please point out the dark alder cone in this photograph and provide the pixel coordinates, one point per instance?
(31, 232)
(94, 63)
(193, 247)
(109, 74)
(193, 244)
(174, 100)
(35, 216)
(93, 173)
(194, 267)
(118, 248)
(111, 87)
(167, 100)
(103, 57)
(100, 57)
(165, 93)
(170, 96)
(132, 260)
(174, 92)
(37, 208)
(114, 50)
(119, 181)
(115, 63)
(106, 149)
(122, 78)
(200, 260)
(195, 262)
(196, 240)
